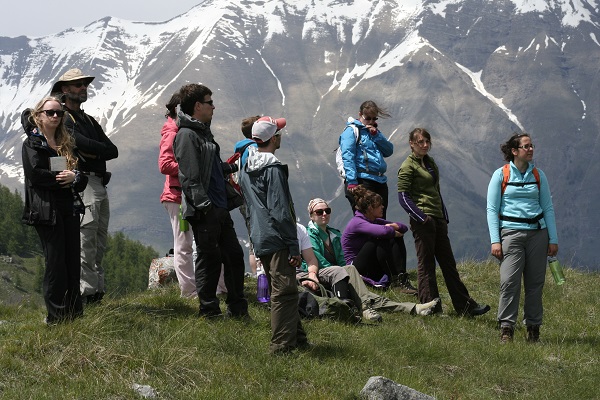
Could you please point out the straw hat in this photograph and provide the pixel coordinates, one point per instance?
(71, 75)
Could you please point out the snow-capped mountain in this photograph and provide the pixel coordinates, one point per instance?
(471, 72)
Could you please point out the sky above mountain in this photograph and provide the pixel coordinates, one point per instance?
(37, 18)
(40, 17)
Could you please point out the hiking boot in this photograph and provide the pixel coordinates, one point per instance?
(506, 334)
(480, 309)
(533, 333)
(401, 281)
(371, 316)
(427, 308)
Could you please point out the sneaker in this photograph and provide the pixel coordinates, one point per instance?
(372, 316)
(506, 334)
(427, 308)
(533, 333)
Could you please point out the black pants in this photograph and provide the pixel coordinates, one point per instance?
(381, 256)
(374, 186)
(432, 243)
(216, 244)
(60, 244)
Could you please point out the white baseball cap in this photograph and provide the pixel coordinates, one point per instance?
(266, 127)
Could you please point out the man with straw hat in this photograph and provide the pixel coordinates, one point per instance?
(94, 148)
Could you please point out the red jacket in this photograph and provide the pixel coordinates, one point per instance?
(167, 164)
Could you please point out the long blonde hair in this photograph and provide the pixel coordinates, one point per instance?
(65, 143)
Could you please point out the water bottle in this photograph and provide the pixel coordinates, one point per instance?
(557, 271)
(262, 286)
(184, 226)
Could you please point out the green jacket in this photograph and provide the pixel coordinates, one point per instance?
(419, 190)
(317, 238)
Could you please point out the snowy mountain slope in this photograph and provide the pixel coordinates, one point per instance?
(469, 71)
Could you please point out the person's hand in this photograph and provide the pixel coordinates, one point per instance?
(65, 177)
(497, 251)
(372, 128)
(294, 261)
(552, 249)
(312, 285)
(394, 225)
(398, 234)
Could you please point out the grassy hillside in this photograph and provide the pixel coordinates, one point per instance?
(20, 280)
(155, 338)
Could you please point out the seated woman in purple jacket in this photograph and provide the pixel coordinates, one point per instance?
(374, 245)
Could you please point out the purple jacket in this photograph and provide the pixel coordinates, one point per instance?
(360, 230)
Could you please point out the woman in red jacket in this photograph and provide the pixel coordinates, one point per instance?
(171, 199)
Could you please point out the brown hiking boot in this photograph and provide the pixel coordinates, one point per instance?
(506, 334)
(401, 282)
(533, 333)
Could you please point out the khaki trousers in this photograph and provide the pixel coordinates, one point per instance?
(93, 236)
(286, 329)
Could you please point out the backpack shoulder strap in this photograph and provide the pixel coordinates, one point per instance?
(244, 147)
(536, 174)
(505, 177)
(356, 133)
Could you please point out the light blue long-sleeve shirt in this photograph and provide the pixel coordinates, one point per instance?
(521, 202)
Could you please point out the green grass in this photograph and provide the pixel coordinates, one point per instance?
(154, 338)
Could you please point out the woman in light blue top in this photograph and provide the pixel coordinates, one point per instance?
(522, 229)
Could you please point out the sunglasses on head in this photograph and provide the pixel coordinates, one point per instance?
(323, 211)
(52, 113)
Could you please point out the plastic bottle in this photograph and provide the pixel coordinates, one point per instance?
(184, 226)
(557, 271)
(262, 286)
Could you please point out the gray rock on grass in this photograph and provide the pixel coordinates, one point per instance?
(380, 388)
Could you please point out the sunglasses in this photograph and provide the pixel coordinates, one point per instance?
(80, 84)
(370, 118)
(52, 113)
(323, 211)
(210, 102)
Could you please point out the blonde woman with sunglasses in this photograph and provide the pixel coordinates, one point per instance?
(53, 205)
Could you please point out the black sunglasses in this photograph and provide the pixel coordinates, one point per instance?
(80, 84)
(323, 211)
(52, 113)
(210, 102)
(370, 118)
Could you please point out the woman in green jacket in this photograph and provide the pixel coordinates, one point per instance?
(419, 194)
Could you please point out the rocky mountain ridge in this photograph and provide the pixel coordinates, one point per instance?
(470, 72)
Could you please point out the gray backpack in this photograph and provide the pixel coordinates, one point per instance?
(338, 153)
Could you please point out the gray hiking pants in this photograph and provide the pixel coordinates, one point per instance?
(372, 300)
(524, 256)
